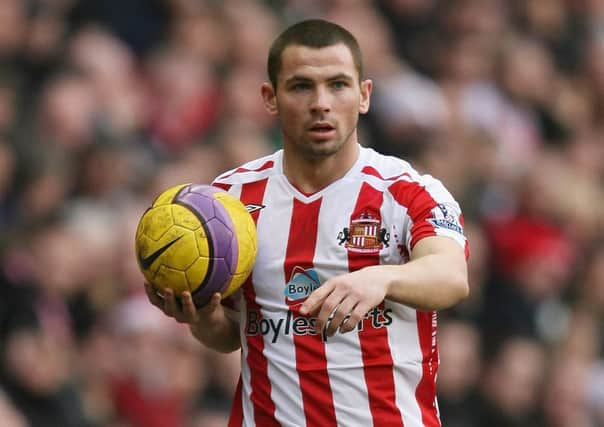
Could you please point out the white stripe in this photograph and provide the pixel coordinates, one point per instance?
(273, 230)
(343, 351)
(407, 356)
(246, 386)
(285, 385)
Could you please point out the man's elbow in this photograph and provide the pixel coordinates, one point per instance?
(460, 289)
(456, 290)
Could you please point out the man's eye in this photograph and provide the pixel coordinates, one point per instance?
(339, 84)
(301, 86)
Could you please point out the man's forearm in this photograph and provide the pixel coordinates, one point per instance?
(425, 284)
(434, 279)
(222, 336)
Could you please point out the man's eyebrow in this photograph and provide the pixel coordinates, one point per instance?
(297, 78)
(300, 78)
(340, 76)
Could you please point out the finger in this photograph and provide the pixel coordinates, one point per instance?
(327, 310)
(356, 315)
(212, 304)
(215, 301)
(316, 298)
(340, 315)
(188, 307)
(153, 296)
(170, 304)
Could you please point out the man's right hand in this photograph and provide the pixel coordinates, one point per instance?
(214, 325)
(184, 311)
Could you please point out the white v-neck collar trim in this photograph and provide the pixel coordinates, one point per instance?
(356, 167)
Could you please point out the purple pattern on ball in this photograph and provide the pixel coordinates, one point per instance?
(218, 225)
(220, 274)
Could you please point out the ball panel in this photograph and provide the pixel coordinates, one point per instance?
(245, 231)
(236, 282)
(199, 203)
(183, 217)
(216, 281)
(171, 278)
(183, 253)
(204, 248)
(166, 197)
(223, 242)
(204, 190)
(156, 222)
(226, 204)
(177, 248)
(197, 272)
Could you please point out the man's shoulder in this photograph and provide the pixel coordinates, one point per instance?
(251, 171)
(387, 168)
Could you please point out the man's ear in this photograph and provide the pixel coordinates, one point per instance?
(366, 87)
(269, 98)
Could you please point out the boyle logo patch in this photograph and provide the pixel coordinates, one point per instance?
(301, 284)
(365, 234)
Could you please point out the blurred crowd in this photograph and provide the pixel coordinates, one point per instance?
(103, 103)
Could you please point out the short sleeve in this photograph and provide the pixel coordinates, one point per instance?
(430, 209)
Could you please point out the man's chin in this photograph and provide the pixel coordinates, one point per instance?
(323, 149)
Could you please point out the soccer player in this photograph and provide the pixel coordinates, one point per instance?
(356, 252)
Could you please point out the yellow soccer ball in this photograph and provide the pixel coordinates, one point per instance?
(196, 238)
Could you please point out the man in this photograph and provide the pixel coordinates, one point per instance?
(356, 251)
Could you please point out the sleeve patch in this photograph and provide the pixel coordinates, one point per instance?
(446, 216)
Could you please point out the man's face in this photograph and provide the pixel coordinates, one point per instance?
(318, 99)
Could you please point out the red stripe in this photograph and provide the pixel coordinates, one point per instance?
(377, 358)
(222, 186)
(264, 407)
(425, 394)
(369, 170)
(311, 362)
(419, 204)
(467, 245)
(236, 418)
(269, 164)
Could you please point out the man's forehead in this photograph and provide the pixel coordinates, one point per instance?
(335, 59)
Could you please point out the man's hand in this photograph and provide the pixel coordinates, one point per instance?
(436, 278)
(342, 302)
(214, 325)
(184, 311)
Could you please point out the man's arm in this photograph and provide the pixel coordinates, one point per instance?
(214, 325)
(435, 278)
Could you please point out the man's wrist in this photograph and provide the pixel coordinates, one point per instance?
(387, 278)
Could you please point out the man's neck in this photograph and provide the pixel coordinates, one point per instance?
(312, 175)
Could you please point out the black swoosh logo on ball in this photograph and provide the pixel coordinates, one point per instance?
(147, 261)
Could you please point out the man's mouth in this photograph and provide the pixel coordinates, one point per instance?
(321, 127)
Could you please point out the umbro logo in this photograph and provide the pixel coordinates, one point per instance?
(251, 207)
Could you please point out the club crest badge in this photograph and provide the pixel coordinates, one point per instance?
(364, 234)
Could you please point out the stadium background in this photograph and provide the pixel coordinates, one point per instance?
(105, 102)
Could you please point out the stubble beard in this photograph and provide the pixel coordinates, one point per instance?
(315, 152)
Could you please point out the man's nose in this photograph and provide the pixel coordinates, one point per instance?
(321, 100)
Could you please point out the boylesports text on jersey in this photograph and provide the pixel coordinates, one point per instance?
(293, 324)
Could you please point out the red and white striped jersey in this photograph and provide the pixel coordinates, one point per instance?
(383, 372)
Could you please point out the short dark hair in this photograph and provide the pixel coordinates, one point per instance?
(315, 33)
